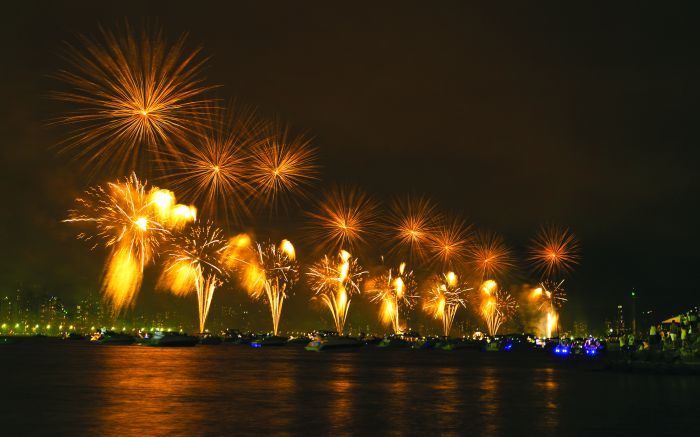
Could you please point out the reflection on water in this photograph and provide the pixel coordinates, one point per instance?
(82, 389)
(489, 401)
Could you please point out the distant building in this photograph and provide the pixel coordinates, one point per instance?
(620, 320)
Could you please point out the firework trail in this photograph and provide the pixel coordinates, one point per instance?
(394, 290)
(134, 96)
(268, 271)
(444, 298)
(334, 280)
(550, 296)
(194, 263)
(497, 306)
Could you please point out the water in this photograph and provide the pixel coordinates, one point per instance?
(76, 388)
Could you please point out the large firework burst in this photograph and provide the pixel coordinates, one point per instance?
(449, 244)
(345, 219)
(490, 256)
(134, 94)
(554, 250)
(132, 221)
(334, 281)
(214, 170)
(411, 223)
(282, 166)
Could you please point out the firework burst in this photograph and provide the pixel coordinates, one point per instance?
(194, 263)
(411, 223)
(450, 243)
(345, 219)
(214, 170)
(133, 222)
(134, 95)
(395, 291)
(444, 297)
(268, 271)
(497, 306)
(490, 256)
(334, 281)
(554, 250)
(282, 166)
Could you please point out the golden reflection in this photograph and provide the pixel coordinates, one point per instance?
(446, 391)
(341, 405)
(547, 388)
(489, 401)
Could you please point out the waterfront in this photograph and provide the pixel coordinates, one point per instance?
(77, 388)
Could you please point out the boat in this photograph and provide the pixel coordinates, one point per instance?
(73, 336)
(269, 340)
(393, 341)
(208, 339)
(7, 340)
(172, 339)
(298, 341)
(112, 338)
(335, 342)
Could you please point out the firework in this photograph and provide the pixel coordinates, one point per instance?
(281, 166)
(497, 306)
(213, 171)
(450, 243)
(194, 263)
(133, 94)
(551, 296)
(394, 290)
(346, 219)
(554, 250)
(334, 281)
(268, 271)
(445, 296)
(132, 221)
(411, 223)
(490, 256)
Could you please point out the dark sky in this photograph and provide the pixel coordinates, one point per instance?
(512, 116)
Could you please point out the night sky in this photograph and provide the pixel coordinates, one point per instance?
(509, 116)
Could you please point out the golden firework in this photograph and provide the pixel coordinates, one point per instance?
(490, 256)
(132, 221)
(134, 95)
(395, 291)
(268, 271)
(411, 222)
(194, 263)
(449, 245)
(497, 306)
(334, 281)
(445, 296)
(214, 169)
(345, 219)
(554, 251)
(282, 166)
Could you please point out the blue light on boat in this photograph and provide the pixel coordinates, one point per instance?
(509, 346)
(256, 344)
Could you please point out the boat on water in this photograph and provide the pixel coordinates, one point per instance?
(301, 340)
(172, 339)
(208, 339)
(269, 340)
(112, 338)
(7, 340)
(461, 344)
(335, 342)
